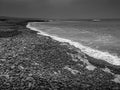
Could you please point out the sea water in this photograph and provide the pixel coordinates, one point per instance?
(100, 40)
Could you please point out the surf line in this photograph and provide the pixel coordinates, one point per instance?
(106, 56)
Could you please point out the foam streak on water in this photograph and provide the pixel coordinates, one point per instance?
(112, 59)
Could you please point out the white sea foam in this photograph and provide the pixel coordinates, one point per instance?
(112, 59)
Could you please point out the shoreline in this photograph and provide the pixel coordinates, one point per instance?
(39, 62)
(105, 56)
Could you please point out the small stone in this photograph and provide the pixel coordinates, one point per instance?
(73, 71)
(90, 67)
(21, 67)
(2, 59)
(36, 63)
(12, 67)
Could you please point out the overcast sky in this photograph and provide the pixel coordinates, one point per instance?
(61, 8)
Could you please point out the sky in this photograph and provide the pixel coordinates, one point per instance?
(64, 9)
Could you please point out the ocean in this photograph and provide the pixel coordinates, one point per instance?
(97, 39)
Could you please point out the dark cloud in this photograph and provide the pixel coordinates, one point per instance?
(114, 3)
(61, 8)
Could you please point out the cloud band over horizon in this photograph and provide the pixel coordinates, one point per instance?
(61, 8)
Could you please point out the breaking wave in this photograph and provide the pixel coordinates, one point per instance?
(106, 56)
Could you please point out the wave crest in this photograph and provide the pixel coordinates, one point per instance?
(106, 56)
